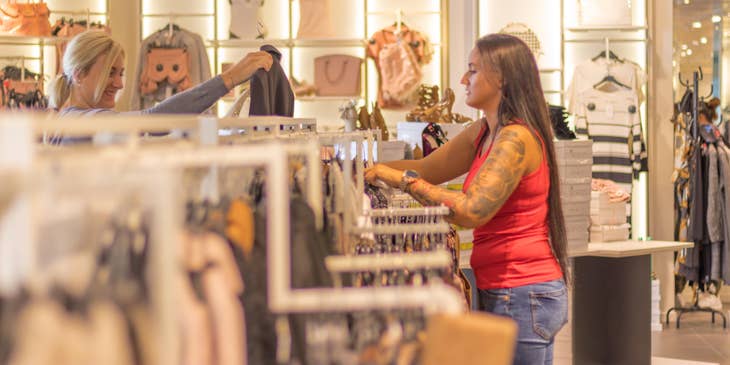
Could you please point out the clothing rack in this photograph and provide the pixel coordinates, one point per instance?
(409, 261)
(19, 252)
(697, 76)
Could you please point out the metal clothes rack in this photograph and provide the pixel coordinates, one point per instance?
(45, 176)
(697, 76)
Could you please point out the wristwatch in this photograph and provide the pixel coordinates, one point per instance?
(408, 178)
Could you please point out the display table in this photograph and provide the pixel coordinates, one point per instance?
(612, 301)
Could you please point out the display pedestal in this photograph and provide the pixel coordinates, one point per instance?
(612, 310)
(612, 301)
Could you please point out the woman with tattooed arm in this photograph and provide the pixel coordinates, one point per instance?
(511, 195)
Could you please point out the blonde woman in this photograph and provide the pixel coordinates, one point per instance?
(93, 72)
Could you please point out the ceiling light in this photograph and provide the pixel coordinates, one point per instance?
(683, 54)
(703, 40)
(689, 52)
(684, 46)
(696, 25)
(686, 2)
(716, 18)
(695, 43)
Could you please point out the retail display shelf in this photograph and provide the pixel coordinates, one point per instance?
(603, 39)
(628, 248)
(286, 42)
(607, 28)
(327, 98)
(177, 15)
(30, 41)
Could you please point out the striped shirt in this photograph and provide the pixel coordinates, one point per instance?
(611, 120)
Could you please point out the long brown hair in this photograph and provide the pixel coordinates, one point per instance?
(522, 98)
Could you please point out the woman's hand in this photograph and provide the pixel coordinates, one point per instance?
(388, 175)
(246, 67)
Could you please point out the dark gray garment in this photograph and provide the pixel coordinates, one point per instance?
(723, 154)
(715, 226)
(271, 92)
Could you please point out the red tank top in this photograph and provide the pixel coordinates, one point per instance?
(513, 248)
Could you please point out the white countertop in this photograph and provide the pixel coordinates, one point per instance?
(616, 249)
(628, 248)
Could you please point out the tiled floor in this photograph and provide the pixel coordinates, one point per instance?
(698, 340)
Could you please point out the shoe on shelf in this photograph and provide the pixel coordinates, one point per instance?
(302, 88)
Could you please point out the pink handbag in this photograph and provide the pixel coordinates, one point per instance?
(337, 75)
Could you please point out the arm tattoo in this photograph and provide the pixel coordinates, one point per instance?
(494, 183)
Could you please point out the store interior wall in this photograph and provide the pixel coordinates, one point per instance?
(462, 37)
(124, 21)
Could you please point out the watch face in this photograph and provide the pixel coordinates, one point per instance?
(412, 174)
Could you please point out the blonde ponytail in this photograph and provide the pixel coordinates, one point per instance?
(59, 91)
(81, 53)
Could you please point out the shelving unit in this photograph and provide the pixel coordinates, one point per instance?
(358, 20)
(31, 53)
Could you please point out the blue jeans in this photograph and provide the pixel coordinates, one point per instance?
(540, 311)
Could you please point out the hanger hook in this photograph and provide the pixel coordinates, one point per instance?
(712, 91)
(702, 76)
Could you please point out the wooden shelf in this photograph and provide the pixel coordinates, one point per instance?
(30, 41)
(326, 98)
(254, 43)
(607, 28)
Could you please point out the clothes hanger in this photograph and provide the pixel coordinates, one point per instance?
(611, 56)
(610, 79)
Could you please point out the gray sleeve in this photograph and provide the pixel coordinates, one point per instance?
(714, 220)
(192, 101)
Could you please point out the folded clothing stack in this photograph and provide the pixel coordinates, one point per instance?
(608, 212)
(575, 161)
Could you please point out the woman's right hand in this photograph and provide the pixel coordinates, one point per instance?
(246, 67)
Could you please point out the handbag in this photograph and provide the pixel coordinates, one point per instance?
(25, 19)
(337, 75)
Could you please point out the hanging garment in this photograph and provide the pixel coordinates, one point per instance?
(245, 20)
(400, 74)
(611, 120)
(315, 19)
(418, 42)
(680, 177)
(591, 72)
(559, 121)
(68, 28)
(198, 64)
(432, 138)
(715, 222)
(697, 184)
(724, 157)
(271, 93)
